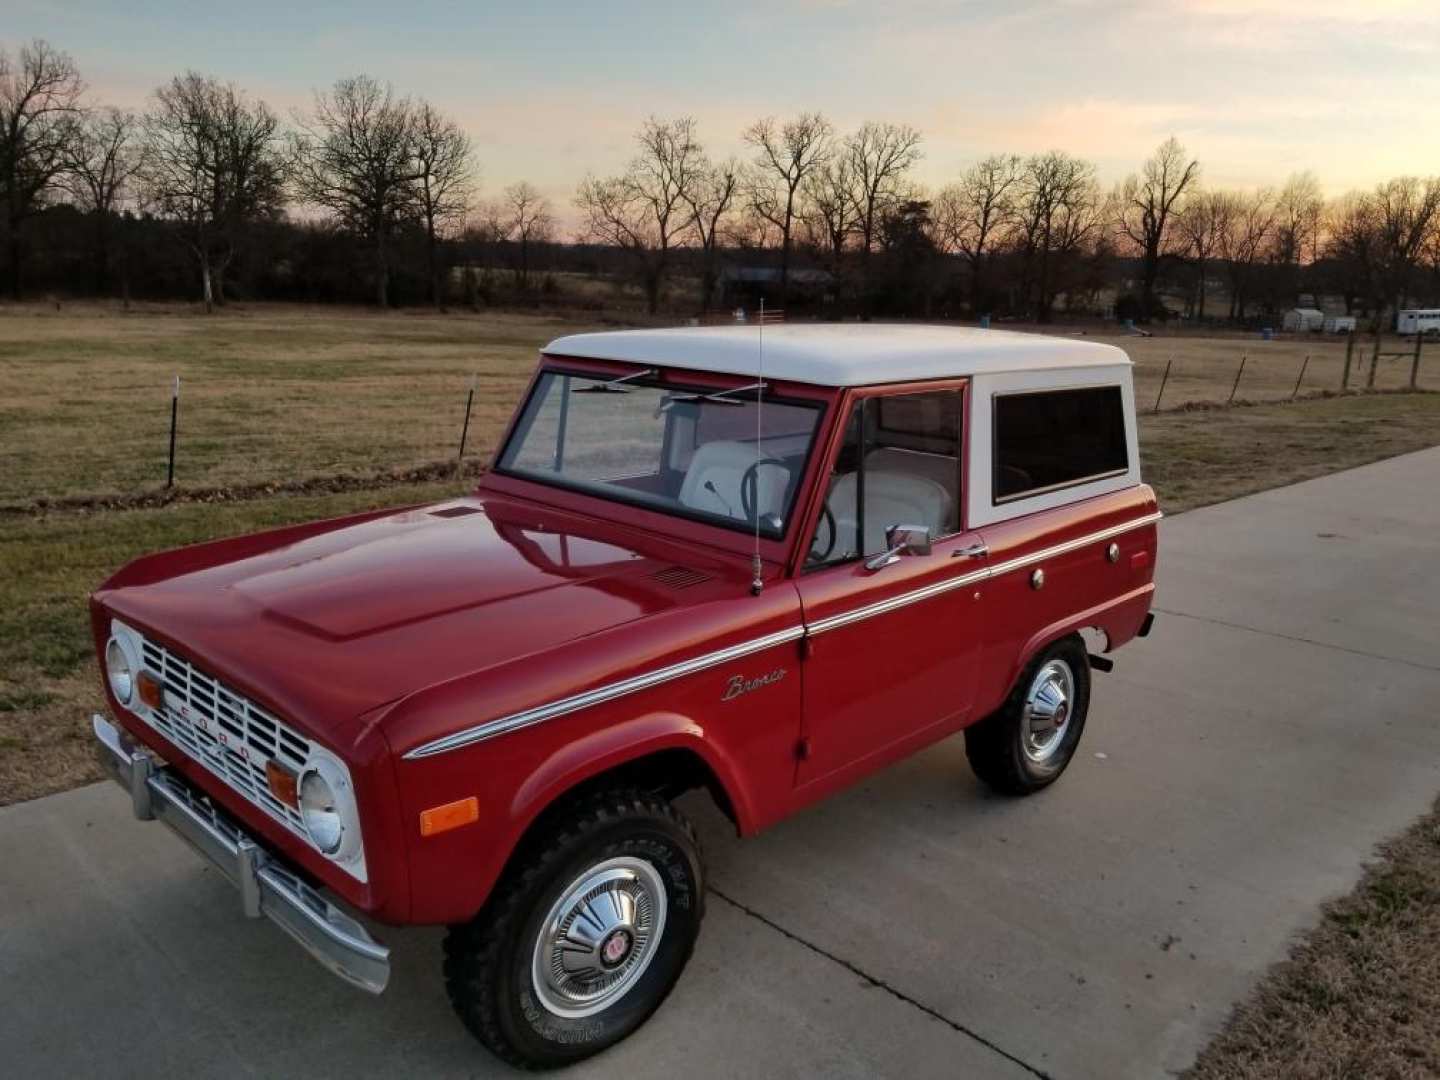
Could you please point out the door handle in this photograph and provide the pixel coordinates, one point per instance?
(974, 551)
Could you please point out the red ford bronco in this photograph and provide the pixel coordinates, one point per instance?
(699, 560)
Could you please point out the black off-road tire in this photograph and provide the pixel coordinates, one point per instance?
(996, 745)
(488, 961)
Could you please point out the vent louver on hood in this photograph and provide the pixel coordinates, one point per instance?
(456, 511)
(679, 577)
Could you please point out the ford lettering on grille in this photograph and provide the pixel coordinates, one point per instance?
(223, 730)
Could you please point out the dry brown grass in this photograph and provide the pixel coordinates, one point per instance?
(267, 393)
(277, 393)
(1359, 996)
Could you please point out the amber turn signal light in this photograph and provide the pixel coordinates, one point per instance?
(149, 689)
(283, 783)
(450, 815)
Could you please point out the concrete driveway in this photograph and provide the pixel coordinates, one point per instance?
(1238, 768)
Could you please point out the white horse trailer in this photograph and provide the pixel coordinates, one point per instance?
(1339, 324)
(1418, 321)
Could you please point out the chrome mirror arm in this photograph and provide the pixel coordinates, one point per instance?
(902, 540)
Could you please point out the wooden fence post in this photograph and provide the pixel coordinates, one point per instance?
(1163, 380)
(1374, 359)
(174, 417)
(1300, 378)
(1415, 363)
(1349, 355)
(1236, 385)
(465, 430)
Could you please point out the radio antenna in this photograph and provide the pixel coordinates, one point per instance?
(757, 582)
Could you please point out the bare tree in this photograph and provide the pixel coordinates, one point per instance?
(785, 156)
(1058, 210)
(214, 165)
(971, 217)
(1407, 210)
(880, 156)
(1250, 220)
(445, 175)
(710, 200)
(829, 212)
(39, 120)
(1298, 211)
(1203, 224)
(1146, 203)
(355, 157)
(103, 160)
(644, 211)
(526, 219)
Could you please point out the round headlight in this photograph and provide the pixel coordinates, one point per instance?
(320, 811)
(119, 672)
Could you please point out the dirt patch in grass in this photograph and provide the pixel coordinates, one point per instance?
(1359, 996)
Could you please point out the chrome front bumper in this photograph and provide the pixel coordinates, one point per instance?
(267, 886)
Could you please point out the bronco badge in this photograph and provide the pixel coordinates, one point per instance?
(737, 685)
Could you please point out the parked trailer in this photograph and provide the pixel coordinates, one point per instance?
(1418, 321)
(1339, 324)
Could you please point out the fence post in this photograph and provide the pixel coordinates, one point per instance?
(1301, 377)
(1415, 363)
(174, 416)
(1236, 385)
(1374, 359)
(465, 429)
(1163, 380)
(1349, 354)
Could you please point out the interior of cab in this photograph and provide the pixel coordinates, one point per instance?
(899, 464)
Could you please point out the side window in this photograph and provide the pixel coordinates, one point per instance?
(899, 464)
(1055, 438)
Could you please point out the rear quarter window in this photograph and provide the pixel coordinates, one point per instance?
(1051, 439)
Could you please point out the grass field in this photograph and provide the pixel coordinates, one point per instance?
(278, 393)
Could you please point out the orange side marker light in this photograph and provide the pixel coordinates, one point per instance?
(282, 783)
(149, 689)
(450, 815)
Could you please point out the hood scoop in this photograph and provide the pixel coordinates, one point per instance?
(680, 577)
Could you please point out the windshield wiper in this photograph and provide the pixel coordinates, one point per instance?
(613, 386)
(720, 397)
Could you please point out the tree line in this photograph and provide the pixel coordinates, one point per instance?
(208, 185)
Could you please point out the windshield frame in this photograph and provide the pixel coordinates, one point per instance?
(676, 380)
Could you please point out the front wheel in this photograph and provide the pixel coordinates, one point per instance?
(1026, 744)
(583, 942)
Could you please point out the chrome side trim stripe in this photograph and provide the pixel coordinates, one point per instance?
(609, 692)
(1073, 545)
(832, 622)
(819, 626)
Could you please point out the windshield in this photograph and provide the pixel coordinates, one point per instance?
(680, 451)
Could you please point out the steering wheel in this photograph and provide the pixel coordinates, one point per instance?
(750, 485)
(826, 518)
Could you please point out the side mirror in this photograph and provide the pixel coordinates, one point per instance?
(901, 540)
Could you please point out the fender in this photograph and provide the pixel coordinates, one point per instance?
(1119, 624)
(611, 747)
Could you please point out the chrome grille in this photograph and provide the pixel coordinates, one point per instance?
(223, 730)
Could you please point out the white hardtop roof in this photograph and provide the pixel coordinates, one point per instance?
(842, 354)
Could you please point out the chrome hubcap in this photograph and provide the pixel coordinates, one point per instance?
(1047, 711)
(599, 937)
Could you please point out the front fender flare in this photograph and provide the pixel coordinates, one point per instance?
(614, 746)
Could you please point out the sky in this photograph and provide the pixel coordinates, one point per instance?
(550, 91)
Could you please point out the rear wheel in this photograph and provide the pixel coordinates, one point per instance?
(583, 942)
(1026, 744)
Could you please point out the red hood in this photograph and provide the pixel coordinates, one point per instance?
(326, 622)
